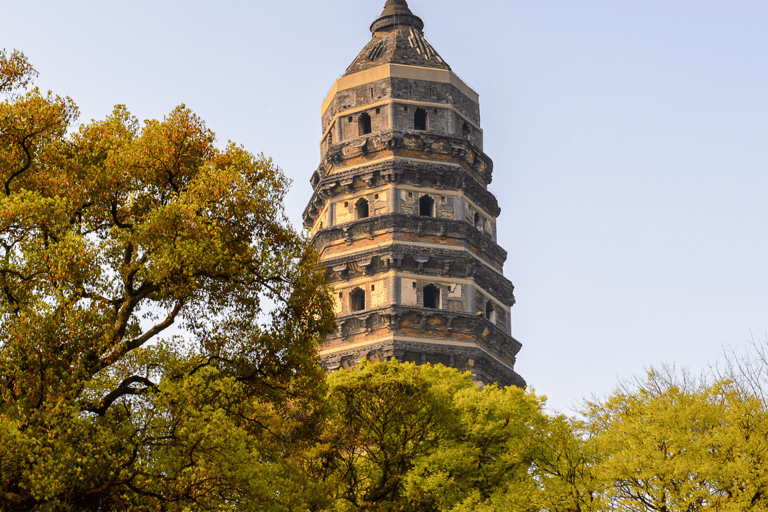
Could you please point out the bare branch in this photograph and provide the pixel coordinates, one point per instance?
(122, 390)
(124, 348)
(113, 211)
(20, 171)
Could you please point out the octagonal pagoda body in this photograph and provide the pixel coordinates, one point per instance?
(402, 216)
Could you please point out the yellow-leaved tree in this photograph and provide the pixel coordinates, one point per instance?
(677, 443)
(109, 236)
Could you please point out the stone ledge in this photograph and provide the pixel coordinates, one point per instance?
(426, 143)
(435, 173)
(484, 368)
(439, 324)
(401, 257)
(399, 223)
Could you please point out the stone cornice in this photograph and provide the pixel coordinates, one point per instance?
(398, 223)
(434, 174)
(430, 323)
(407, 258)
(435, 144)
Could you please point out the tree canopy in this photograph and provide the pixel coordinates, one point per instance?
(111, 234)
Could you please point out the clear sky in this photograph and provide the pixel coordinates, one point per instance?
(629, 139)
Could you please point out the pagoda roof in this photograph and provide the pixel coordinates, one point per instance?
(397, 38)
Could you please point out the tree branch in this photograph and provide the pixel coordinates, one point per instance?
(122, 225)
(122, 390)
(119, 352)
(20, 171)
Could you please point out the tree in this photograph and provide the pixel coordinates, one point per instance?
(109, 236)
(566, 468)
(674, 442)
(402, 437)
(382, 417)
(486, 463)
(745, 377)
(746, 373)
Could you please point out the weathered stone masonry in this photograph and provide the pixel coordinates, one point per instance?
(402, 216)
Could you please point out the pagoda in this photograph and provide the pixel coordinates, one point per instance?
(402, 216)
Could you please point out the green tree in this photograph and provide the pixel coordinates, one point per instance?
(565, 467)
(401, 437)
(382, 417)
(489, 456)
(109, 236)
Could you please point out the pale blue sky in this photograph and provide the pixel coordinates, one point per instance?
(630, 142)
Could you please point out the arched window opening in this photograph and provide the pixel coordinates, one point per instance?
(479, 221)
(426, 206)
(420, 119)
(466, 130)
(361, 208)
(490, 311)
(357, 300)
(431, 296)
(365, 123)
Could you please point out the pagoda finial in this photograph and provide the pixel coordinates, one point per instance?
(396, 12)
(396, 7)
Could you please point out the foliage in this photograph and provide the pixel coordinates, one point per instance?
(400, 437)
(674, 443)
(109, 236)
(566, 467)
(406, 437)
(15, 71)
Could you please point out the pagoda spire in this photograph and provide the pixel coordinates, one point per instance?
(396, 12)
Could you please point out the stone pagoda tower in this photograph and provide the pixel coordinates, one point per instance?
(402, 216)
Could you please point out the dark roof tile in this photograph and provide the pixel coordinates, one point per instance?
(401, 44)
